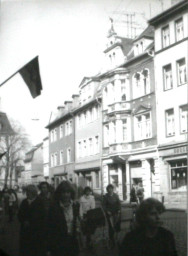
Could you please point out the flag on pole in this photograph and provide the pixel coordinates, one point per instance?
(31, 75)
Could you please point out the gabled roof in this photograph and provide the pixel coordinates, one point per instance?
(87, 79)
(5, 126)
(175, 9)
(124, 43)
(147, 33)
(30, 153)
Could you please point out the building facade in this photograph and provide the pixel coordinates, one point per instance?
(171, 58)
(33, 173)
(45, 147)
(88, 135)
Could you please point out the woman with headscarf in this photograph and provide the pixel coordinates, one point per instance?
(148, 238)
(30, 216)
(63, 222)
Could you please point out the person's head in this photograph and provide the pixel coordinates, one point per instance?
(44, 188)
(148, 213)
(110, 189)
(64, 192)
(31, 192)
(87, 191)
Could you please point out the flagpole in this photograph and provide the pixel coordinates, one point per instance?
(16, 72)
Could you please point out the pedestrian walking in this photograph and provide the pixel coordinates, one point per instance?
(112, 208)
(45, 200)
(133, 197)
(140, 192)
(87, 202)
(63, 222)
(12, 204)
(148, 238)
(30, 215)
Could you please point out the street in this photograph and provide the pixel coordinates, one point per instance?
(175, 220)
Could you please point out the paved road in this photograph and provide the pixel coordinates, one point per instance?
(173, 220)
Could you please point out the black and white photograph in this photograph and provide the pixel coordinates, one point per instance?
(93, 127)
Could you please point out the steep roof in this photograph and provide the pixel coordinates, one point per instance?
(30, 153)
(5, 126)
(147, 33)
(127, 44)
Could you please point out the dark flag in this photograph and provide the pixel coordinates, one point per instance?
(31, 75)
(2, 154)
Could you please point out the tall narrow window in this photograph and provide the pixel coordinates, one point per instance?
(61, 131)
(183, 118)
(113, 132)
(61, 156)
(96, 144)
(123, 90)
(70, 126)
(166, 36)
(137, 88)
(179, 29)
(52, 160)
(170, 126)
(146, 81)
(79, 151)
(167, 75)
(124, 129)
(106, 135)
(181, 71)
(68, 155)
(143, 126)
(84, 148)
(97, 182)
(55, 159)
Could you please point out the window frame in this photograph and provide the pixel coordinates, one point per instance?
(164, 77)
(175, 23)
(180, 123)
(174, 132)
(177, 71)
(162, 29)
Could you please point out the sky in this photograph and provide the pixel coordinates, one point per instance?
(69, 36)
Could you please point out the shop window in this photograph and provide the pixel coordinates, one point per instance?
(167, 77)
(170, 126)
(179, 175)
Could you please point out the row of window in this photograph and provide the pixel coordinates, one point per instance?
(59, 160)
(180, 71)
(88, 147)
(64, 130)
(170, 121)
(88, 116)
(179, 33)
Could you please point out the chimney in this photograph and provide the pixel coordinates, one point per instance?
(68, 105)
(75, 98)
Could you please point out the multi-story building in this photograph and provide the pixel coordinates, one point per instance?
(45, 148)
(129, 134)
(171, 58)
(88, 135)
(33, 172)
(62, 143)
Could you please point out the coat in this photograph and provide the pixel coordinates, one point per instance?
(60, 243)
(31, 218)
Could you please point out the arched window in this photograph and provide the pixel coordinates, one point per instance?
(146, 81)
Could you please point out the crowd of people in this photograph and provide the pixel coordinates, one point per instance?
(55, 223)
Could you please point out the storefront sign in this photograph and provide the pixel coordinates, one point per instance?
(180, 150)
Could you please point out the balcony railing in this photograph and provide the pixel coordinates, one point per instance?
(119, 106)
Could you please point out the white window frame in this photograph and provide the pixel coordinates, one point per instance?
(143, 126)
(170, 123)
(183, 110)
(165, 36)
(61, 131)
(179, 31)
(146, 81)
(181, 71)
(61, 157)
(167, 77)
(68, 155)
